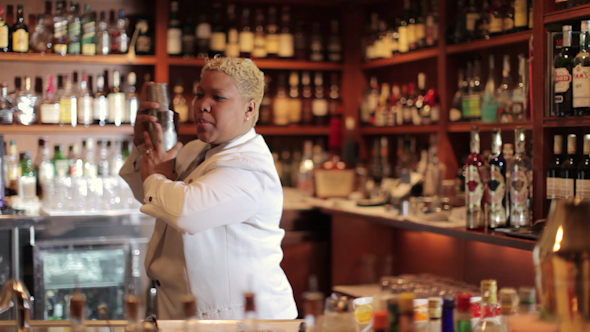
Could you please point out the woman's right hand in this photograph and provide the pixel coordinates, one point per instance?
(141, 123)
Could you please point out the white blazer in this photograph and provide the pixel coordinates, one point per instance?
(217, 232)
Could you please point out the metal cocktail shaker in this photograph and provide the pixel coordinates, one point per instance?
(562, 263)
(158, 92)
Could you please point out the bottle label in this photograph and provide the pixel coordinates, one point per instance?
(474, 188)
(232, 50)
(563, 79)
(144, 44)
(3, 36)
(217, 42)
(319, 107)
(204, 31)
(496, 24)
(174, 41)
(581, 90)
(403, 45)
(272, 43)
(246, 40)
(62, 166)
(85, 112)
(117, 112)
(259, 46)
(553, 188)
(508, 23)
(286, 45)
(519, 191)
(74, 30)
(60, 29)
(411, 34)
(497, 185)
(66, 110)
(46, 172)
(101, 108)
(567, 188)
(521, 13)
(582, 189)
(74, 48)
(233, 36)
(295, 107)
(77, 168)
(281, 111)
(471, 20)
(420, 31)
(60, 48)
(50, 113)
(20, 41)
(89, 49)
(88, 33)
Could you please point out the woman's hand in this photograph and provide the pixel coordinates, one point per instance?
(156, 159)
(141, 123)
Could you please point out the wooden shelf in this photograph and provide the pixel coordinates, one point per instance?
(399, 130)
(400, 58)
(513, 38)
(465, 127)
(113, 59)
(57, 129)
(265, 64)
(291, 130)
(576, 13)
(574, 121)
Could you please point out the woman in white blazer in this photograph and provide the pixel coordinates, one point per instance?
(218, 203)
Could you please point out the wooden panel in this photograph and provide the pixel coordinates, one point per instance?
(57, 129)
(113, 59)
(576, 13)
(574, 121)
(161, 45)
(513, 38)
(291, 130)
(265, 64)
(399, 130)
(465, 127)
(402, 58)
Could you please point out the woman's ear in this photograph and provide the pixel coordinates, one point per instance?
(250, 109)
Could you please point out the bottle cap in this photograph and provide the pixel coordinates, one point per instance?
(463, 302)
(489, 290)
(435, 307)
(406, 302)
(189, 306)
(566, 28)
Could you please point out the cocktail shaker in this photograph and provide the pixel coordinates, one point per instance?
(158, 92)
(562, 263)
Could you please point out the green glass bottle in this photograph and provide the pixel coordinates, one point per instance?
(60, 162)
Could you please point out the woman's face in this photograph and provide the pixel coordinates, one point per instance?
(220, 113)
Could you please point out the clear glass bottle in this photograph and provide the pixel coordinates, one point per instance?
(121, 37)
(20, 32)
(305, 175)
(104, 166)
(498, 215)
(116, 162)
(41, 38)
(89, 155)
(60, 29)
(43, 164)
(489, 107)
(520, 183)
(27, 102)
(117, 102)
(103, 38)
(101, 102)
(519, 93)
(132, 98)
(489, 321)
(75, 161)
(50, 108)
(88, 23)
(504, 97)
(13, 166)
(74, 29)
(475, 181)
(189, 308)
(179, 102)
(27, 182)
(85, 103)
(68, 103)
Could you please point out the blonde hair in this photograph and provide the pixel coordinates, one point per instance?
(249, 79)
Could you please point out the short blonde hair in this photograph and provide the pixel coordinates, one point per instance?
(249, 79)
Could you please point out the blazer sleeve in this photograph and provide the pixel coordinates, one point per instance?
(228, 193)
(131, 172)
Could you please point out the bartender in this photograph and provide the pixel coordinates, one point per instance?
(218, 202)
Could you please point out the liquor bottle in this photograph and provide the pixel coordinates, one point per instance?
(471, 99)
(259, 50)
(68, 103)
(203, 32)
(305, 175)
(50, 108)
(121, 39)
(246, 36)
(521, 15)
(411, 19)
(48, 17)
(554, 184)
(317, 48)
(41, 39)
(4, 32)
(75, 161)
(497, 186)
(562, 76)
(489, 320)
(218, 43)
(74, 29)
(27, 101)
(583, 174)
(281, 103)
(581, 73)
(300, 41)
(189, 308)
(103, 163)
(435, 170)
(13, 167)
(20, 32)
(519, 94)
(568, 169)
(266, 111)
(456, 111)
(180, 105)
(295, 104)
(420, 25)
(27, 182)
(335, 104)
(496, 18)
(89, 155)
(459, 33)
(489, 107)
(520, 183)
(396, 114)
(334, 43)
(132, 98)
(88, 23)
(286, 40)
(406, 311)
(509, 17)
(7, 106)
(250, 316)
(307, 108)
(9, 15)
(188, 38)
(174, 39)
(509, 306)
(103, 38)
(116, 162)
(85, 103)
(143, 44)
(60, 162)
(483, 24)
(383, 106)
(472, 17)
(319, 103)
(475, 181)
(43, 164)
(101, 102)
(117, 101)
(272, 35)
(432, 25)
(423, 115)
(112, 28)
(233, 46)
(463, 313)
(466, 102)
(60, 29)
(504, 92)
(434, 314)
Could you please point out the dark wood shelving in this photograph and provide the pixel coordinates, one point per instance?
(465, 127)
(399, 130)
(574, 121)
(576, 13)
(399, 58)
(291, 130)
(66, 129)
(113, 59)
(265, 64)
(513, 38)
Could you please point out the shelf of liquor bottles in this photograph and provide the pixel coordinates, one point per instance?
(113, 59)
(465, 127)
(264, 64)
(401, 58)
(503, 40)
(290, 130)
(399, 130)
(42, 129)
(575, 13)
(574, 121)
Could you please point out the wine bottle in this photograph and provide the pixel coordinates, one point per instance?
(583, 176)
(562, 76)
(581, 73)
(554, 170)
(568, 169)
(475, 181)
(497, 184)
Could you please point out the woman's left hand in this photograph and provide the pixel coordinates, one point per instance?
(156, 159)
